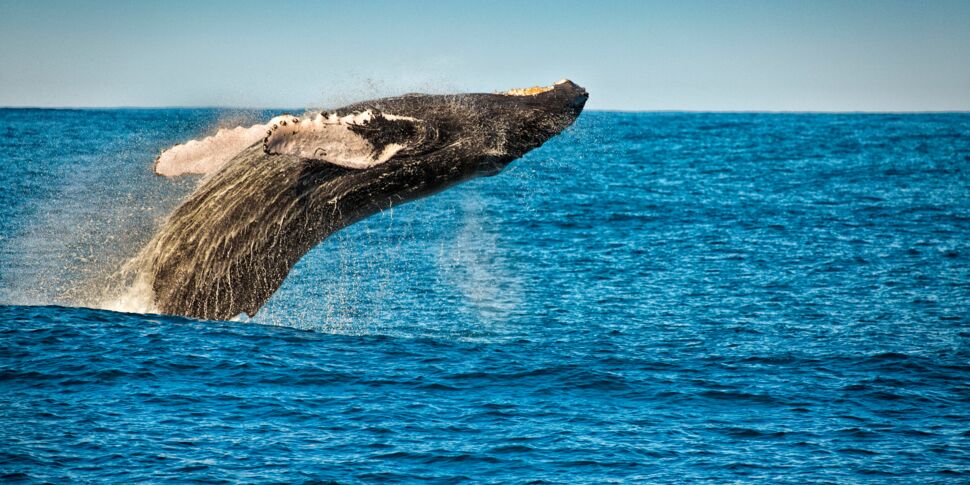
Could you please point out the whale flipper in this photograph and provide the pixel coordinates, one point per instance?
(209, 154)
(357, 140)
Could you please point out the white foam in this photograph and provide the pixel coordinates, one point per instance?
(138, 297)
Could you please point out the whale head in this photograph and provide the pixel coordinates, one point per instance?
(520, 120)
(457, 136)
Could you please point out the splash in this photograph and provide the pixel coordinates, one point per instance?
(133, 296)
(475, 264)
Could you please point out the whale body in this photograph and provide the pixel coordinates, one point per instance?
(274, 191)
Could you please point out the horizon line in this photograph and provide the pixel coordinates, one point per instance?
(597, 110)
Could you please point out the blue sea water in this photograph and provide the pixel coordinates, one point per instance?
(655, 297)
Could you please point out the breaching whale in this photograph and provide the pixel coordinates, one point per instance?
(274, 191)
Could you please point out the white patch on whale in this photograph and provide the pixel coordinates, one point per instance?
(331, 139)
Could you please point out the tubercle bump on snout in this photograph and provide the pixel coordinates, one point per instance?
(273, 129)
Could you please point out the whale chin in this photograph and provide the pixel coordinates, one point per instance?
(274, 191)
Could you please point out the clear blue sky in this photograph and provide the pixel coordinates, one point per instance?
(642, 55)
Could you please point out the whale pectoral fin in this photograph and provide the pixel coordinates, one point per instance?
(358, 141)
(209, 154)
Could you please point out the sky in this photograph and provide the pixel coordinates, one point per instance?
(810, 55)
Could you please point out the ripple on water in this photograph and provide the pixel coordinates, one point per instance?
(660, 298)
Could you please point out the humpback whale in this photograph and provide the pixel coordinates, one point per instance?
(273, 191)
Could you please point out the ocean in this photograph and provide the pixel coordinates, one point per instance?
(649, 297)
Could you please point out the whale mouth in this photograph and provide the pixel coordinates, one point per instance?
(565, 85)
(532, 91)
(528, 91)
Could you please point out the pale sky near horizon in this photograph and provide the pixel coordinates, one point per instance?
(779, 55)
